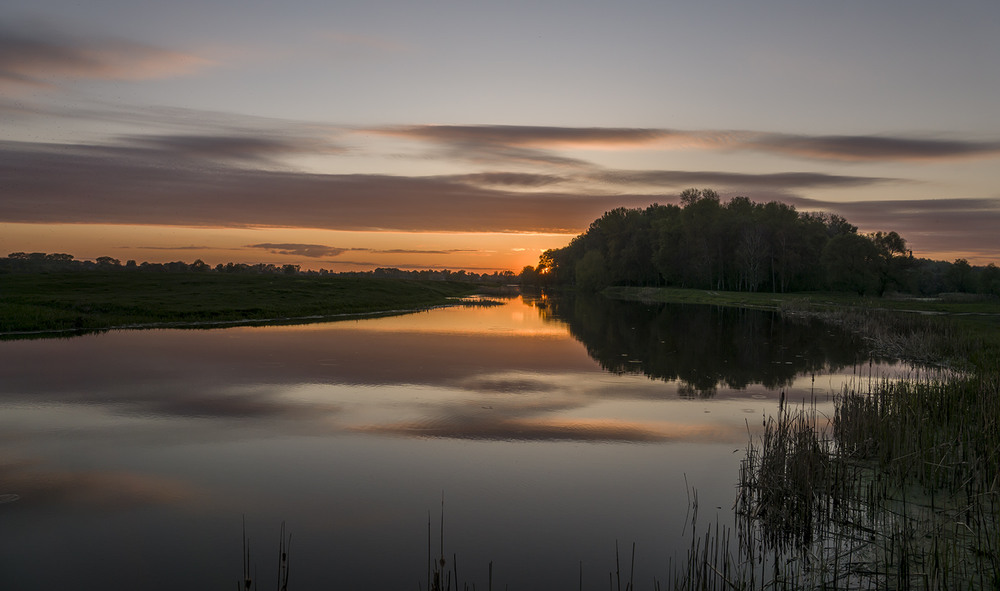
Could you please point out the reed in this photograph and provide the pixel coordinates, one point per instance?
(911, 336)
(900, 489)
(249, 580)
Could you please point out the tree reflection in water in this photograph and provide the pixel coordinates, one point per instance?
(704, 347)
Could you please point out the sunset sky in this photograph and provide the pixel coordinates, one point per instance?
(471, 135)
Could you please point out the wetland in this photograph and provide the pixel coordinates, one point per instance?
(559, 430)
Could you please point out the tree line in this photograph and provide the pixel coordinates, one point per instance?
(742, 245)
(41, 262)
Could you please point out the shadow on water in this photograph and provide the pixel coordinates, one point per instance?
(704, 347)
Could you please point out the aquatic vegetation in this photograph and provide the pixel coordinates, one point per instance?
(900, 489)
(249, 580)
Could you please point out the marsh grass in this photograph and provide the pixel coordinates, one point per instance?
(900, 489)
(888, 333)
(249, 580)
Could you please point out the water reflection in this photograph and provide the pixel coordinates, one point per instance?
(149, 446)
(704, 347)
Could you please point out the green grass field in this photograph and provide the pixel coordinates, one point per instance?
(97, 300)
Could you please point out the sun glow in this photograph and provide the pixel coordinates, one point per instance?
(311, 249)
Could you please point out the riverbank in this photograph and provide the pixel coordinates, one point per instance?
(39, 304)
(953, 304)
(950, 330)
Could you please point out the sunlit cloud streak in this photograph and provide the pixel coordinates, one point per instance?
(494, 144)
(414, 251)
(32, 58)
(520, 135)
(869, 148)
(510, 179)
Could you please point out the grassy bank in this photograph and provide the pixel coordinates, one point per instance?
(950, 304)
(951, 330)
(36, 302)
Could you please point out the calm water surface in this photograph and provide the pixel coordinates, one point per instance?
(552, 428)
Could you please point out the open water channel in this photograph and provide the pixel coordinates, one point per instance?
(554, 429)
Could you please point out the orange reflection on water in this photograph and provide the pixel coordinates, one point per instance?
(37, 484)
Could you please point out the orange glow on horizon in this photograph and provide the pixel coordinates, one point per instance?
(339, 250)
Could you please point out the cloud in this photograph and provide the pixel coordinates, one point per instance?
(510, 179)
(202, 178)
(954, 225)
(853, 148)
(868, 148)
(108, 184)
(409, 251)
(320, 250)
(258, 148)
(34, 58)
(494, 139)
(354, 264)
(535, 136)
(781, 180)
(306, 250)
(498, 143)
(169, 247)
(119, 185)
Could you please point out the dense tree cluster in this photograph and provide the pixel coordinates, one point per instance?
(34, 262)
(40, 262)
(746, 246)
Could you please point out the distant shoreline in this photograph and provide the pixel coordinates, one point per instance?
(45, 305)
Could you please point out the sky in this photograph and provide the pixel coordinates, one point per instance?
(473, 135)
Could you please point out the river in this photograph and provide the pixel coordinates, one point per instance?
(554, 431)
